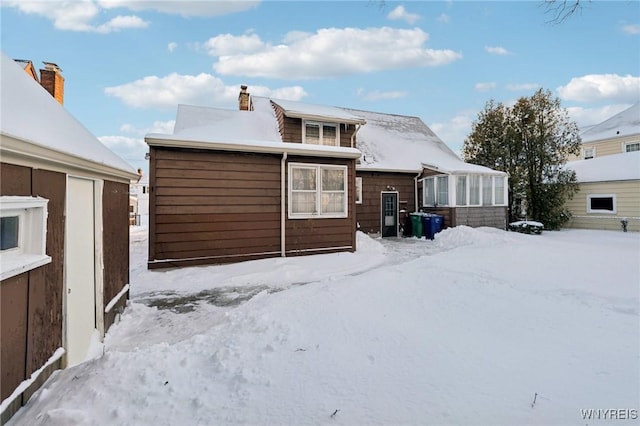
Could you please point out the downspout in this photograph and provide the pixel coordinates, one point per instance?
(283, 194)
(415, 190)
(353, 136)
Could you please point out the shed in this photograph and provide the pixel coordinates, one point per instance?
(65, 236)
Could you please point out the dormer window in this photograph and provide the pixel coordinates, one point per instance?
(318, 133)
(588, 153)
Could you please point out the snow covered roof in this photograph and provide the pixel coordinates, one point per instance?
(318, 112)
(235, 130)
(43, 126)
(216, 124)
(396, 142)
(625, 123)
(625, 166)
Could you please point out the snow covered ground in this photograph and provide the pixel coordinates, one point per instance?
(477, 327)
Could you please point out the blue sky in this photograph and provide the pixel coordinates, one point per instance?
(128, 64)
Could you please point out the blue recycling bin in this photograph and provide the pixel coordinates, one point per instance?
(431, 224)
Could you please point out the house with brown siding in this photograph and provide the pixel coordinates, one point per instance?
(406, 167)
(252, 183)
(64, 255)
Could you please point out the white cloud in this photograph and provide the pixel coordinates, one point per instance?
(599, 87)
(523, 87)
(129, 149)
(184, 8)
(80, 15)
(121, 22)
(483, 87)
(496, 50)
(399, 13)
(585, 117)
(202, 89)
(454, 131)
(172, 46)
(377, 95)
(227, 44)
(334, 52)
(156, 127)
(76, 15)
(444, 18)
(631, 29)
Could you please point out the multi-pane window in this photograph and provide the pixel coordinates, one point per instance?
(429, 191)
(631, 147)
(317, 191)
(461, 190)
(321, 133)
(601, 203)
(436, 191)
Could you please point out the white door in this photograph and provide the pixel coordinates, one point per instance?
(80, 285)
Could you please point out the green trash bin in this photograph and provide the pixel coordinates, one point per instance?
(416, 224)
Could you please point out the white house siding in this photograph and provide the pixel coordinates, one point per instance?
(627, 195)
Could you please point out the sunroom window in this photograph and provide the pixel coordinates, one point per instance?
(359, 190)
(22, 234)
(321, 133)
(317, 191)
(435, 191)
(498, 184)
(474, 190)
(461, 190)
(487, 191)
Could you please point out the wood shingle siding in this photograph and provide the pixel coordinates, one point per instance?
(213, 205)
(221, 206)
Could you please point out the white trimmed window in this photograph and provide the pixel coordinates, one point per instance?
(23, 228)
(358, 190)
(317, 133)
(632, 146)
(499, 191)
(588, 153)
(474, 190)
(601, 203)
(317, 190)
(461, 190)
(487, 191)
(435, 191)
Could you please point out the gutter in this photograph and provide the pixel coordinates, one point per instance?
(415, 187)
(353, 137)
(264, 147)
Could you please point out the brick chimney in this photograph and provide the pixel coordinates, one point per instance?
(52, 80)
(243, 98)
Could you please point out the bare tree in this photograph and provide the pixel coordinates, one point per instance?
(562, 9)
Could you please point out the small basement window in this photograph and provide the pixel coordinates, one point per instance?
(601, 203)
(23, 223)
(631, 147)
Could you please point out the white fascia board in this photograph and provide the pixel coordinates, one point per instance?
(464, 171)
(387, 170)
(324, 118)
(266, 147)
(29, 154)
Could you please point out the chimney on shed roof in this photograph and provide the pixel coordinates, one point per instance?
(243, 98)
(52, 80)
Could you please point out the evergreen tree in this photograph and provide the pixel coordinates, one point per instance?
(531, 141)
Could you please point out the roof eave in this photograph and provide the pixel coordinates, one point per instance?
(324, 118)
(269, 148)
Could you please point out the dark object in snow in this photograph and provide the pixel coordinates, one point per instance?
(334, 413)
(526, 227)
(166, 383)
(624, 222)
(534, 400)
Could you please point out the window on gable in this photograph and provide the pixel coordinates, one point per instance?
(317, 191)
(631, 147)
(321, 133)
(601, 203)
(23, 223)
